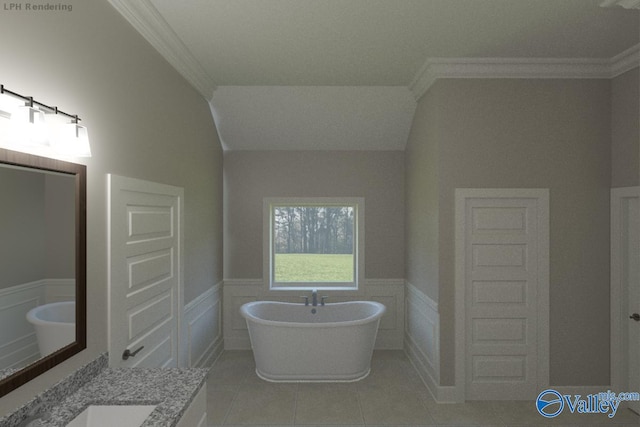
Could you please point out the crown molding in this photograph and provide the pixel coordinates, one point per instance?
(522, 68)
(627, 4)
(505, 68)
(625, 61)
(146, 19)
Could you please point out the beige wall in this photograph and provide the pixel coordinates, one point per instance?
(531, 133)
(60, 202)
(22, 236)
(625, 129)
(144, 122)
(422, 205)
(250, 176)
(37, 233)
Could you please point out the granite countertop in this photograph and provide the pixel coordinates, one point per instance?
(4, 373)
(171, 389)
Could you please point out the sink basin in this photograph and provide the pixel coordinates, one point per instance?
(112, 415)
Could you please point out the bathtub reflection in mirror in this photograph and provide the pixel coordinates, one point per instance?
(42, 271)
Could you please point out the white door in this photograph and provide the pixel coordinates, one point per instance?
(502, 292)
(632, 280)
(625, 290)
(145, 272)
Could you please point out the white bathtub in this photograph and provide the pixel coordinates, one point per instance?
(55, 325)
(290, 343)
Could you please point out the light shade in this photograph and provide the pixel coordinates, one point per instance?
(72, 139)
(8, 105)
(28, 128)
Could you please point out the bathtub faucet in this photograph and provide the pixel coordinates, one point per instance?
(314, 298)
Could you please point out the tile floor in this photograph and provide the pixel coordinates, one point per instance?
(392, 395)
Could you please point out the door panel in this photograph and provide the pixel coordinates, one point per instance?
(145, 274)
(631, 221)
(500, 241)
(625, 290)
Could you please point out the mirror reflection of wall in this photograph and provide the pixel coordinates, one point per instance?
(37, 256)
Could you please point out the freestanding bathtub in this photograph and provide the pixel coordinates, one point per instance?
(55, 325)
(296, 343)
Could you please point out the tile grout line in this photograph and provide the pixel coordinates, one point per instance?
(357, 391)
(235, 397)
(295, 405)
(423, 401)
(226, 414)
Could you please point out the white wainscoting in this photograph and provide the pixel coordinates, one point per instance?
(18, 344)
(203, 317)
(422, 341)
(389, 292)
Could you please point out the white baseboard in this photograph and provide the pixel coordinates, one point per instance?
(413, 353)
(237, 343)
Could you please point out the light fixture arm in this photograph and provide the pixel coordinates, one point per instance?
(30, 102)
(28, 130)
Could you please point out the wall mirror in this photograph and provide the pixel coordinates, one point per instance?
(42, 265)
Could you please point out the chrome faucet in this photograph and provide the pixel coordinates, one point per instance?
(314, 298)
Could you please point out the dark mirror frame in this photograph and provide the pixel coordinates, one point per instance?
(42, 365)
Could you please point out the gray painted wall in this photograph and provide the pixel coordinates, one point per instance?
(422, 204)
(37, 237)
(625, 129)
(145, 121)
(525, 133)
(22, 236)
(60, 220)
(250, 176)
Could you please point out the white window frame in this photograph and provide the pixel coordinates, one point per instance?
(268, 245)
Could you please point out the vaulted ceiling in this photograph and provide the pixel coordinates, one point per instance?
(346, 74)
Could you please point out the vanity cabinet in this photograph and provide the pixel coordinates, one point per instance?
(196, 413)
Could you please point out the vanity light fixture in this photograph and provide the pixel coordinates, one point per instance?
(28, 126)
(39, 128)
(72, 139)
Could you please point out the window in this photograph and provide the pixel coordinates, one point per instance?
(314, 242)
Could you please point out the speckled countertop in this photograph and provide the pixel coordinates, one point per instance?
(4, 373)
(172, 390)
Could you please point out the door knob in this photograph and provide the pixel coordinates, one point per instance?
(128, 353)
(635, 316)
